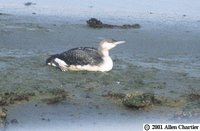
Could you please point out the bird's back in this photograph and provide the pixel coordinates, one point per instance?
(81, 56)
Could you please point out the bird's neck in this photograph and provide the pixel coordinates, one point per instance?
(103, 52)
(107, 63)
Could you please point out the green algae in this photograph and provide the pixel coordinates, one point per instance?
(138, 100)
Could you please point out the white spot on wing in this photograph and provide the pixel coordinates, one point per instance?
(60, 62)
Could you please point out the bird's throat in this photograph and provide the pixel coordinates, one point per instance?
(103, 52)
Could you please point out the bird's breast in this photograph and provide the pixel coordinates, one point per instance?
(107, 64)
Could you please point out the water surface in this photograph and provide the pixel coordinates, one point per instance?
(157, 53)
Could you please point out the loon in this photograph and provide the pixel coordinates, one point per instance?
(85, 58)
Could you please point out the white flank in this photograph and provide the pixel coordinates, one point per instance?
(107, 65)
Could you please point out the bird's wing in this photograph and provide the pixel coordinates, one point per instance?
(81, 56)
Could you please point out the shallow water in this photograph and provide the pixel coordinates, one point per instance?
(167, 55)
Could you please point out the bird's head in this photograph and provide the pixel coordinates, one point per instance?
(108, 44)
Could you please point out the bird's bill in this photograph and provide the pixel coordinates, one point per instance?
(119, 42)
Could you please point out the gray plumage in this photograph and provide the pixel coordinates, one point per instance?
(78, 56)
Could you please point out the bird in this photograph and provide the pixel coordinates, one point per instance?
(85, 58)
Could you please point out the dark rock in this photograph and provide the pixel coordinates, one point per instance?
(95, 23)
(29, 3)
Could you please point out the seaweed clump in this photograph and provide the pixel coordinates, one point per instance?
(3, 115)
(8, 98)
(138, 100)
(55, 96)
(95, 23)
(114, 95)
